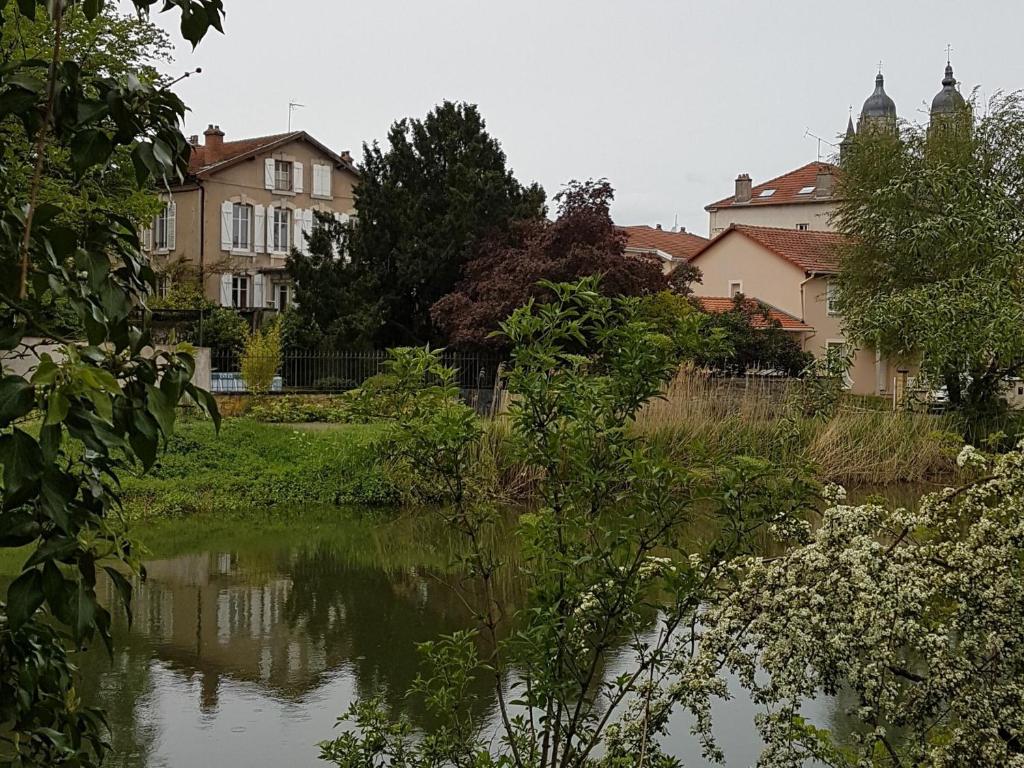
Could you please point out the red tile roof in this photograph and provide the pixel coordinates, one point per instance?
(235, 151)
(788, 322)
(811, 250)
(787, 188)
(678, 245)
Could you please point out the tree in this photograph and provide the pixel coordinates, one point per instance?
(261, 358)
(110, 45)
(914, 615)
(336, 303)
(753, 339)
(441, 184)
(507, 267)
(100, 407)
(605, 579)
(936, 261)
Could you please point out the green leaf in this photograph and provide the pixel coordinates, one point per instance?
(88, 148)
(162, 408)
(17, 399)
(124, 589)
(207, 402)
(11, 335)
(92, 8)
(17, 528)
(23, 465)
(57, 408)
(24, 597)
(194, 26)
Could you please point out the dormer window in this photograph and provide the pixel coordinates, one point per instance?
(766, 193)
(806, 190)
(283, 176)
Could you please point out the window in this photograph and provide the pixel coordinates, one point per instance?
(282, 294)
(163, 286)
(282, 176)
(830, 298)
(837, 355)
(766, 193)
(806, 190)
(241, 227)
(735, 287)
(803, 227)
(163, 224)
(282, 228)
(240, 291)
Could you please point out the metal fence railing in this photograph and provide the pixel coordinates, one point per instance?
(327, 372)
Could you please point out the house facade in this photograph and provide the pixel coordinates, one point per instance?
(791, 270)
(244, 205)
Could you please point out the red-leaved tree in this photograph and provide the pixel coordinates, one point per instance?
(505, 268)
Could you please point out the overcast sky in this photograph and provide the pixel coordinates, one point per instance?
(668, 99)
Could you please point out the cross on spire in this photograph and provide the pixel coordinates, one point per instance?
(879, 66)
(949, 51)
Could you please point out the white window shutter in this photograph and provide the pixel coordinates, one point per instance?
(225, 290)
(226, 209)
(270, 229)
(297, 241)
(318, 178)
(147, 238)
(172, 211)
(268, 173)
(307, 230)
(257, 291)
(327, 172)
(297, 177)
(259, 228)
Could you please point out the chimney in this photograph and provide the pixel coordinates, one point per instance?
(743, 187)
(823, 182)
(214, 142)
(346, 156)
(193, 140)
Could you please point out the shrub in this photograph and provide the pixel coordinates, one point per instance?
(262, 358)
(296, 409)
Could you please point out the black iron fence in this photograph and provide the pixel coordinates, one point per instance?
(327, 372)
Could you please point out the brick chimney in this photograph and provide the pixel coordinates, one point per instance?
(743, 188)
(346, 156)
(824, 183)
(213, 143)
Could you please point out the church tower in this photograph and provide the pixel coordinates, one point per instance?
(879, 111)
(950, 111)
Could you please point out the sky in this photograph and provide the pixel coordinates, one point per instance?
(667, 99)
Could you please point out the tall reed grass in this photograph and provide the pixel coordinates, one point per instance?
(702, 416)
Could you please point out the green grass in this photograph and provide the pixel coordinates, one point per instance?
(252, 468)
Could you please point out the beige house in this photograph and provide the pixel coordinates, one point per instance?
(244, 205)
(790, 270)
(801, 199)
(673, 247)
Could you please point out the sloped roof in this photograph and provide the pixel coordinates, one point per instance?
(678, 245)
(786, 321)
(813, 251)
(787, 188)
(242, 149)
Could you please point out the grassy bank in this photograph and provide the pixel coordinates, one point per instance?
(858, 444)
(250, 467)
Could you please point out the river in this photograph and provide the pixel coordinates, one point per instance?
(250, 640)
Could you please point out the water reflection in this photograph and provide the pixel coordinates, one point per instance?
(247, 646)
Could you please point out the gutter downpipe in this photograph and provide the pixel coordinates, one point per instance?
(803, 309)
(202, 254)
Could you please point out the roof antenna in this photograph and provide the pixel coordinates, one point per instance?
(820, 141)
(292, 106)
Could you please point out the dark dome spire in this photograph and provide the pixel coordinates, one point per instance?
(878, 105)
(948, 101)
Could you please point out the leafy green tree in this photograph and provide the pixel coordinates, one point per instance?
(936, 261)
(96, 408)
(607, 579)
(110, 45)
(261, 357)
(441, 183)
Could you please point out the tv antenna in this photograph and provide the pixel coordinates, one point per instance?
(820, 141)
(292, 106)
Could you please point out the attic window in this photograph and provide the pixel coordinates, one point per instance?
(806, 190)
(766, 193)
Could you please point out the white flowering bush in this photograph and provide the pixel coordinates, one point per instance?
(914, 617)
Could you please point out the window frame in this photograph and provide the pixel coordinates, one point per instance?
(802, 227)
(236, 244)
(240, 289)
(161, 223)
(286, 288)
(284, 168)
(276, 228)
(732, 295)
(830, 288)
